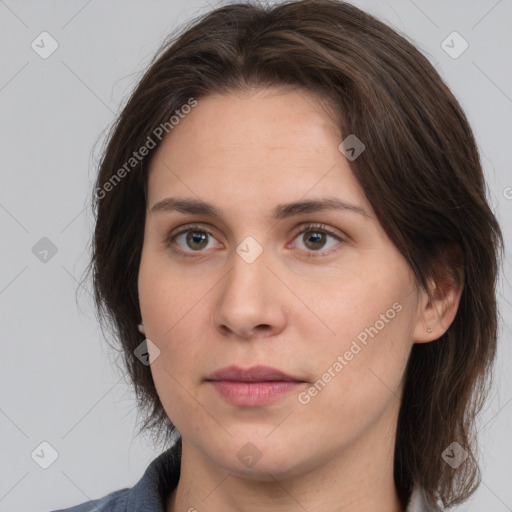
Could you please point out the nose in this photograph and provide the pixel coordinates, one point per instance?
(251, 301)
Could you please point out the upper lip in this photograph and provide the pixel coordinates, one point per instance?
(254, 374)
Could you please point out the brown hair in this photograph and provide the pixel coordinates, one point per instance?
(420, 171)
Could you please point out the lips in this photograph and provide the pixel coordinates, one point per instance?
(253, 374)
(253, 387)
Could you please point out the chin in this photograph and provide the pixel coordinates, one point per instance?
(259, 458)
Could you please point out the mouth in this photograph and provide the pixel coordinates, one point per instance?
(251, 387)
(253, 374)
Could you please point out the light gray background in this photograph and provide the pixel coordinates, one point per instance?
(59, 380)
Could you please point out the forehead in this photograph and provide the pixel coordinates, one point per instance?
(253, 145)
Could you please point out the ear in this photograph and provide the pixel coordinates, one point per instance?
(438, 306)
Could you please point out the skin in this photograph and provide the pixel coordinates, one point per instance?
(246, 152)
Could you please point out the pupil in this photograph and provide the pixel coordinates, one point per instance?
(317, 237)
(195, 237)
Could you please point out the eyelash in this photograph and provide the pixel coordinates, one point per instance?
(169, 241)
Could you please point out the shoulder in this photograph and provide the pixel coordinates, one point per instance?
(148, 494)
(113, 502)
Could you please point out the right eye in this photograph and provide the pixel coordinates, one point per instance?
(193, 237)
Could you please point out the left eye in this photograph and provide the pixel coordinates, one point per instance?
(196, 239)
(314, 238)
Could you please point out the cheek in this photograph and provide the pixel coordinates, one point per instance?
(356, 309)
(366, 351)
(376, 304)
(168, 299)
(178, 369)
(169, 311)
(355, 383)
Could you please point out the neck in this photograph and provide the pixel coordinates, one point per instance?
(358, 478)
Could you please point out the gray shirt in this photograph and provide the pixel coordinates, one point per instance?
(161, 477)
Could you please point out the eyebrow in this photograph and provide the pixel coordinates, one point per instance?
(281, 211)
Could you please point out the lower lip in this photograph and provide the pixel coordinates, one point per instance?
(254, 393)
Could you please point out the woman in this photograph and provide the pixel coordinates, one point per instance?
(294, 248)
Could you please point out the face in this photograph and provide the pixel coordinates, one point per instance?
(318, 293)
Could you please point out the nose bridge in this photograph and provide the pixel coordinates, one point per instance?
(249, 275)
(248, 297)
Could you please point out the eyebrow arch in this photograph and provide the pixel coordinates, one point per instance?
(281, 211)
